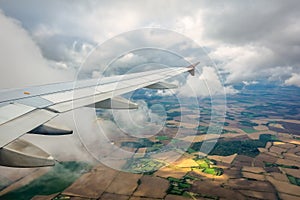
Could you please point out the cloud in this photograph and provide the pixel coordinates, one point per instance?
(22, 62)
(243, 63)
(255, 36)
(246, 83)
(250, 38)
(293, 80)
(143, 48)
(142, 122)
(206, 84)
(64, 50)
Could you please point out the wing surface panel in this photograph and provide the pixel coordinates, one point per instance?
(15, 128)
(12, 111)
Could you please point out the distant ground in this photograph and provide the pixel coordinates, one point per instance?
(256, 157)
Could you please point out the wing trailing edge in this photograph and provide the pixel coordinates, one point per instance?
(21, 153)
(115, 103)
(162, 85)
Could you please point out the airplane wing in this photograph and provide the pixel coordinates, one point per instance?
(27, 110)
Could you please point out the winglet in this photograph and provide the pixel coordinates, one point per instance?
(192, 68)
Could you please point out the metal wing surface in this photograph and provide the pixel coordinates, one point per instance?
(28, 109)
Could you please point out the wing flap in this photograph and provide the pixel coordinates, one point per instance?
(77, 103)
(116, 103)
(162, 85)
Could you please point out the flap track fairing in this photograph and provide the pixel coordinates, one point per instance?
(21, 153)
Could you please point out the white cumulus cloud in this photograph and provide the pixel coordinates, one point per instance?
(293, 80)
(207, 84)
(22, 63)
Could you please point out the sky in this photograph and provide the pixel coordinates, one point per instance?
(249, 41)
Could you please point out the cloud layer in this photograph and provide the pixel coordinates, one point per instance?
(249, 40)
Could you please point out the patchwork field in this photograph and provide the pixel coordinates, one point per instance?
(256, 156)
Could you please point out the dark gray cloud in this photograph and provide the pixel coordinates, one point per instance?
(250, 21)
(273, 25)
(250, 40)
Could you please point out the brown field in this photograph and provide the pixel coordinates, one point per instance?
(293, 172)
(169, 171)
(109, 196)
(277, 150)
(140, 153)
(287, 197)
(168, 157)
(142, 198)
(124, 183)
(243, 184)
(284, 187)
(261, 128)
(183, 124)
(153, 187)
(256, 170)
(288, 162)
(284, 145)
(276, 125)
(224, 159)
(95, 183)
(184, 162)
(262, 150)
(44, 197)
(249, 175)
(210, 188)
(279, 176)
(259, 195)
(255, 136)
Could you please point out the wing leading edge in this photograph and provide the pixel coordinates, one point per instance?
(26, 110)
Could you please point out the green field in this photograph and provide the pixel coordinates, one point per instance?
(267, 164)
(180, 186)
(56, 180)
(162, 137)
(294, 180)
(202, 129)
(248, 123)
(243, 147)
(249, 130)
(205, 165)
(251, 115)
(140, 143)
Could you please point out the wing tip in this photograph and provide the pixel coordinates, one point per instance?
(192, 68)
